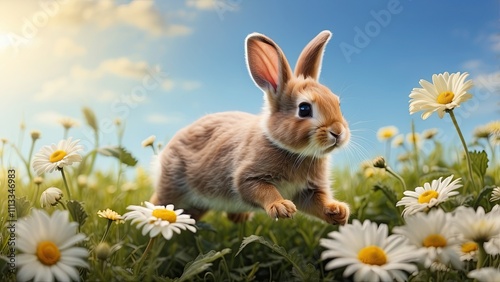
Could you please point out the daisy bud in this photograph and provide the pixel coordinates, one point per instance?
(82, 180)
(379, 162)
(35, 134)
(148, 141)
(38, 180)
(68, 122)
(51, 197)
(429, 133)
(103, 251)
(398, 141)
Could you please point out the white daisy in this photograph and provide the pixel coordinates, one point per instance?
(492, 247)
(52, 157)
(468, 250)
(476, 225)
(369, 253)
(414, 138)
(50, 197)
(386, 133)
(46, 246)
(432, 233)
(398, 140)
(68, 122)
(160, 219)
(110, 215)
(485, 274)
(431, 195)
(430, 133)
(446, 92)
(495, 194)
(148, 141)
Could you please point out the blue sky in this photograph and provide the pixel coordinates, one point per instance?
(160, 65)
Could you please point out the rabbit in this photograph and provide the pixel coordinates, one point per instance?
(276, 161)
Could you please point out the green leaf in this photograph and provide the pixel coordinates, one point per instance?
(77, 211)
(388, 192)
(483, 195)
(301, 270)
(119, 153)
(201, 263)
(90, 118)
(479, 162)
(22, 207)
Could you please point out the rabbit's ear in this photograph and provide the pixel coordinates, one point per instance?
(309, 62)
(266, 63)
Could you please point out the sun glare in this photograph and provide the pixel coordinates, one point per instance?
(4, 41)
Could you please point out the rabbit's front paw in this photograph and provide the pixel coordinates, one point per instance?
(336, 213)
(280, 209)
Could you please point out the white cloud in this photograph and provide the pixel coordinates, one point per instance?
(66, 47)
(79, 78)
(472, 65)
(49, 118)
(495, 42)
(53, 89)
(185, 85)
(107, 96)
(202, 4)
(219, 6)
(141, 14)
(162, 118)
(125, 67)
(190, 85)
(168, 84)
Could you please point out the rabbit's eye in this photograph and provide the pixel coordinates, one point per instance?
(305, 110)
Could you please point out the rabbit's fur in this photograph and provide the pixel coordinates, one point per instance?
(276, 161)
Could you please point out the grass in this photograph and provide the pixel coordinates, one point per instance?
(259, 250)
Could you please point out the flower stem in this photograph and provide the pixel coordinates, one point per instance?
(65, 182)
(154, 149)
(469, 164)
(481, 255)
(398, 177)
(107, 230)
(63, 205)
(36, 192)
(415, 148)
(388, 150)
(28, 162)
(145, 254)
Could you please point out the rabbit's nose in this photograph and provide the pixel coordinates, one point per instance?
(335, 135)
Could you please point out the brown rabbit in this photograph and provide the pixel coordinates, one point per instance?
(277, 161)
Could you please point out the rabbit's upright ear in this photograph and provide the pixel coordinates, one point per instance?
(309, 62)
(266, 63)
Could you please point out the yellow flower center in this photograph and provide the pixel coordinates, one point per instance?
(434, 240)
(48, 253)
(468, 247)
(164, 214)
(57, 156)
(372, 255)
(427, 196)
(387, 134)
(445, 97)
